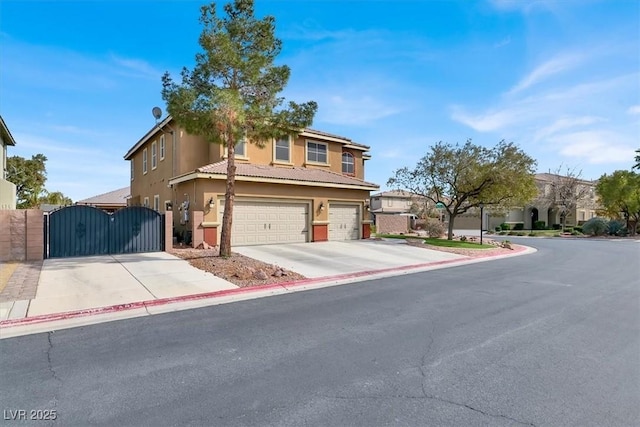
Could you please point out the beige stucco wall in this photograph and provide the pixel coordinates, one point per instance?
(200, 191)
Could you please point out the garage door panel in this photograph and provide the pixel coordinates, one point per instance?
(259, 223)
(344, 222)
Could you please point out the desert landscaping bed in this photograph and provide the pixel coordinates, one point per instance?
(245, 272)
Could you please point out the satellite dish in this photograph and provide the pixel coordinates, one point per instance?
(157, 112)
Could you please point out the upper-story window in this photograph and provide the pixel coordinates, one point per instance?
(162, 147)
(154, 155)
(316, 152)
(132, 170)
(156, 203)
(144, 161)
(348, 164)
(241, 148)
(283, 150)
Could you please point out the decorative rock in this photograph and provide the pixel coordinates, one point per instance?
(260, 275)
(277, 273)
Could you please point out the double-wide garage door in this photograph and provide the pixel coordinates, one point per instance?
(264, 223)
(344, 222)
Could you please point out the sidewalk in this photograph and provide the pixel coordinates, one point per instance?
(70, 292)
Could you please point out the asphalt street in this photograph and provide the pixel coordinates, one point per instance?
(548, 339)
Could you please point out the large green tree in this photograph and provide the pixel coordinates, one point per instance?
(232, 93)
(29, 176)
(461, 177)
(620, 196)
(55, 198)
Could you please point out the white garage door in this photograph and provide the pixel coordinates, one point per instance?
(264, 223)
(344, 222)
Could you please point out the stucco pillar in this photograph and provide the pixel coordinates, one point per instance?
(168, 230)
(197, 235)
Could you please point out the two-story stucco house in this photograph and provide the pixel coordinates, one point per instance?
(296, 189)
(7, 189)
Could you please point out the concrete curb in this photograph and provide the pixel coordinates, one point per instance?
(47, 322)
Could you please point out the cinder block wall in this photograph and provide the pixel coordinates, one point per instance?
(21, 235)
(392, 224)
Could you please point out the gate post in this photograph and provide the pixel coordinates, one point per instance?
(168, 231)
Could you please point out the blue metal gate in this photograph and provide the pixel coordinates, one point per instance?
(84, 230)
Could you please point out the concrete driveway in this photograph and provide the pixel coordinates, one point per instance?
(86, 282)
(322, 259)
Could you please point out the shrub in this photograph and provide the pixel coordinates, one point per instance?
(532, 234)
(578, 228)
(520, 233)
(463, 238)
(434, 228)
(556, 235)
(502, 233)
(576, 233)
(595, 227)
(556, 226)
(539, 225)
(504, 226)
(511, 233)
(518, 226)
(615, 227)
(498, 228)
(373, 229)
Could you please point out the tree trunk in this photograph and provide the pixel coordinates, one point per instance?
(450, 227)
(227, 217)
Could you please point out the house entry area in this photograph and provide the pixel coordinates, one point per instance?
(84, 230)
(264, 223)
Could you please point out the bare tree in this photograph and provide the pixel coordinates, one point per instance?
(566, 190)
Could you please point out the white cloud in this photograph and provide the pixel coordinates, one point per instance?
(547, 69)
(136, 68)
(566, 123)
(503, 42)
(634, 109)
(354, 109)
(595, 147)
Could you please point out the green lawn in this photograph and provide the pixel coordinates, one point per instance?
(440, 242)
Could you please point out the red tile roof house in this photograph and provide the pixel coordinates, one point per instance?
(304, 189)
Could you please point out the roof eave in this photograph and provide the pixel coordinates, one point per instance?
(153, 131)
(204, 175)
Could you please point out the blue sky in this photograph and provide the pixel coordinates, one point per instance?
(561, 79)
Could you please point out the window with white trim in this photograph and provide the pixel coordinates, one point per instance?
(145, 202)
(162, 147)
(348, 164)
(283, 149)
(154, 155)
(316, 152)
(156, 202)
(144, 161)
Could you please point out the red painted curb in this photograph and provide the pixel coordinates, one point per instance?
(227, 292)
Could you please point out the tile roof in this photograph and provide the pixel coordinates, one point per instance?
(115, 197)
(286, 173)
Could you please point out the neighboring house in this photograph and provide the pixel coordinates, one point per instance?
(108, 202)
(302, 189)
(543, 208)
(392, 202)
(8, 197)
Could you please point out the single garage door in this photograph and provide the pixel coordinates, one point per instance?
(344, 222)
(467, 223)
(264, 223)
